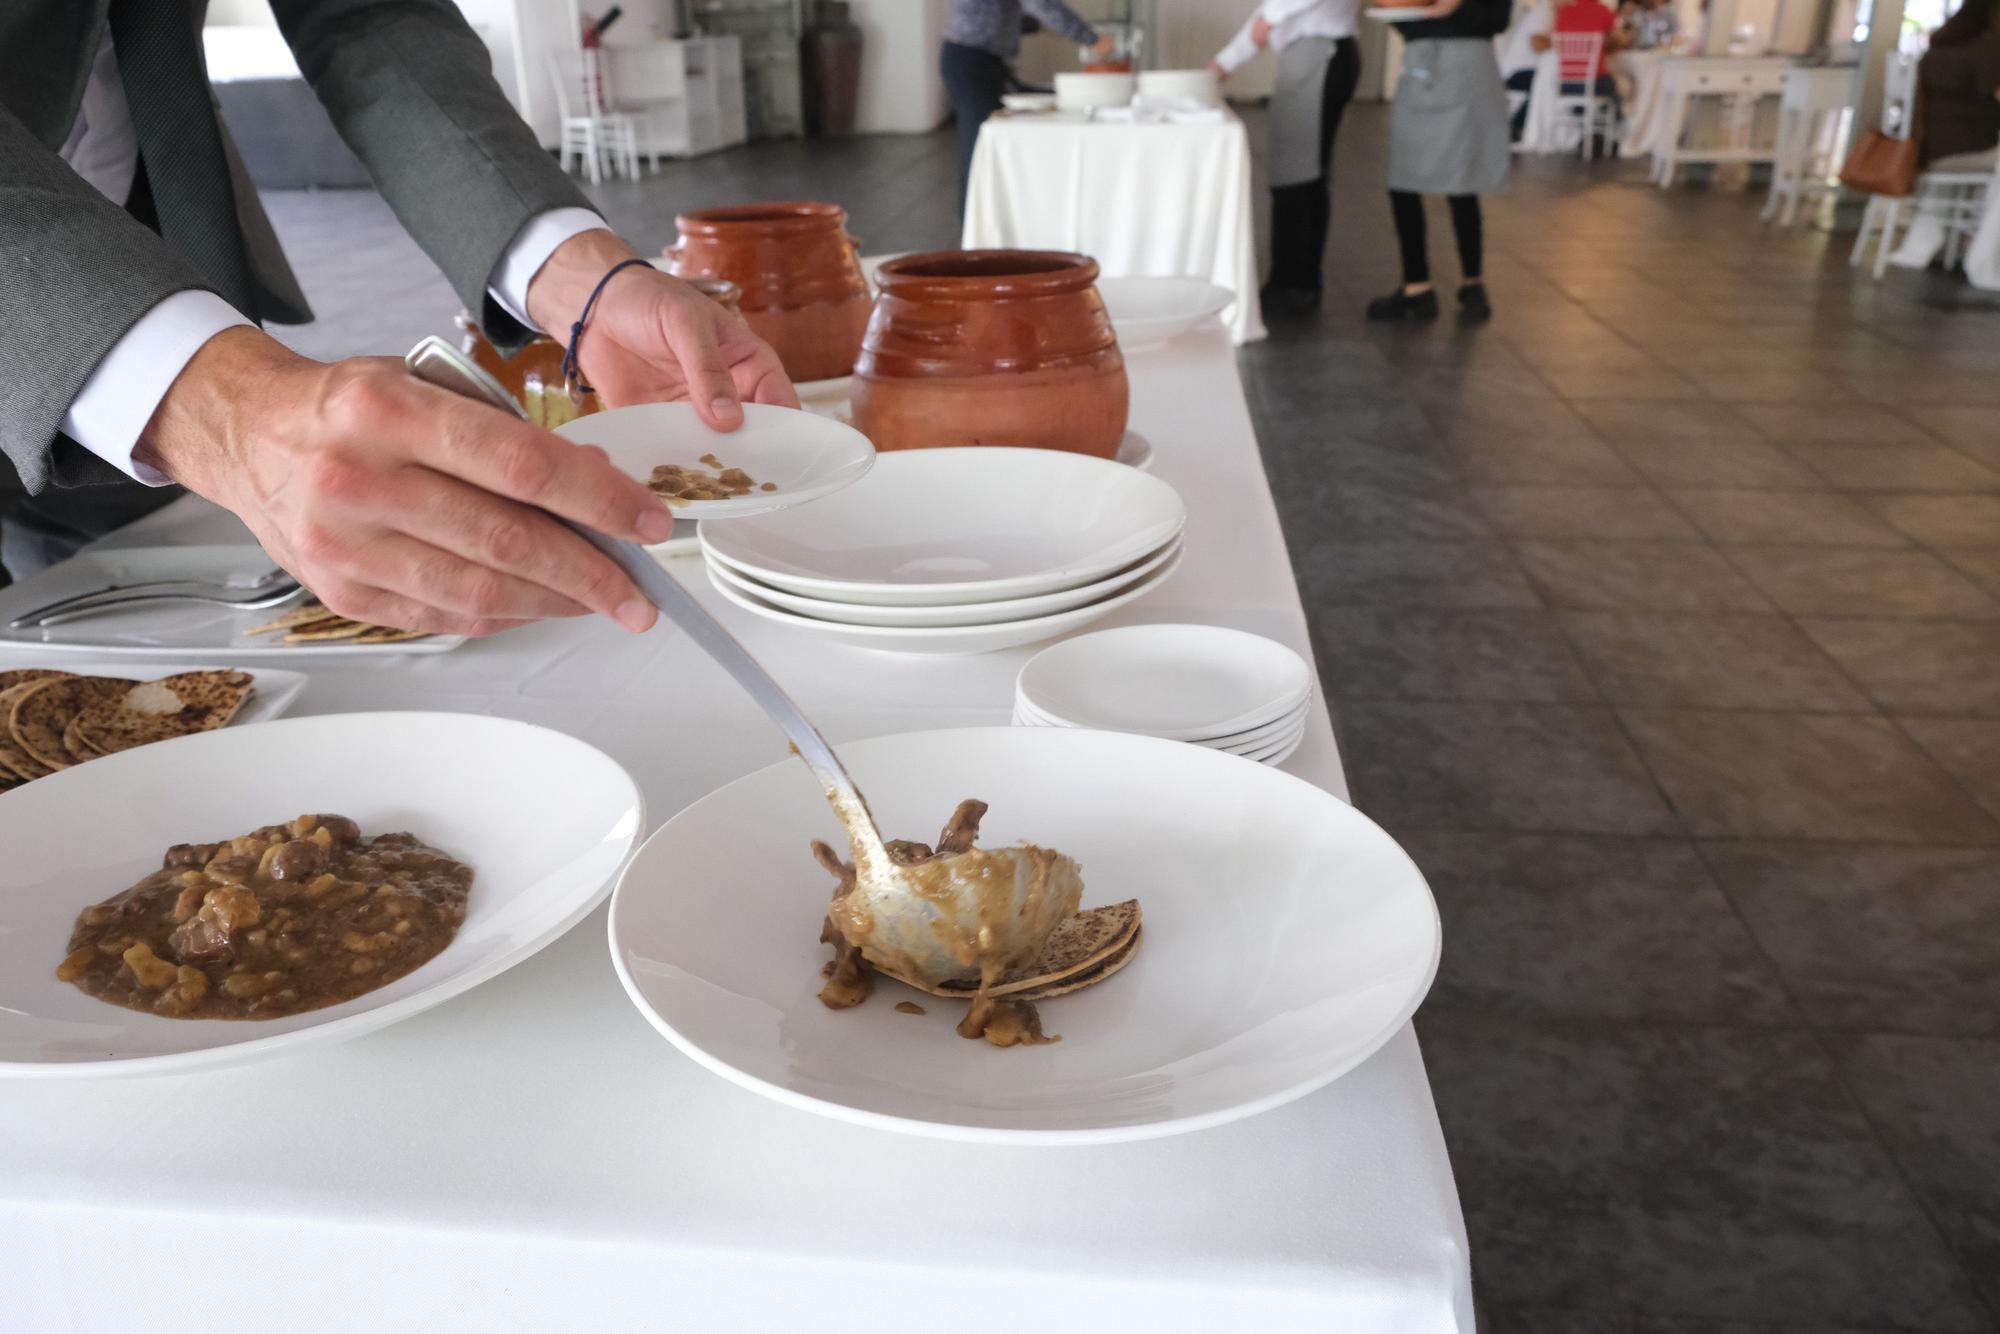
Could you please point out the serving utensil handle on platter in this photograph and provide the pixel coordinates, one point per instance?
(438, 362)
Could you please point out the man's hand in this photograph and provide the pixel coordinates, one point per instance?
(1540, 41)
(1260, 31)
(1215, 68)
(397, 502)
(1103, 46)
(651, 338)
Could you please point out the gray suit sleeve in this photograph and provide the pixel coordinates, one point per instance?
(409, 85)
(76, 272)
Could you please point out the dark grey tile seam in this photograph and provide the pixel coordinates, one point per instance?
(1774, 1326)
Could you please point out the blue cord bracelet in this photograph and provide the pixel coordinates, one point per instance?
(572, 369)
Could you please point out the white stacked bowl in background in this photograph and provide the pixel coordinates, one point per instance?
(1082, 90)
(1195, 84)
(956, 551)
(1203, 684)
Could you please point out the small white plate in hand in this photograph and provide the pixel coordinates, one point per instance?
(179, 630)
(1388, 14)
(801, 455)
(544, 821)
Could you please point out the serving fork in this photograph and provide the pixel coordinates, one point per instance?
(268, 590)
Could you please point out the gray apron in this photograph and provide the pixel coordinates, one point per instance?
(1296, 101)
(1448, 122)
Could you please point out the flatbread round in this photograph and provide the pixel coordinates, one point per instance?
(41, 715)
(337, 628)
(382, 634)
(15, 762)
(1075, 953)
(73, 742)
(8, 680)
(1088, 978)
(303, 614)
(178, 705)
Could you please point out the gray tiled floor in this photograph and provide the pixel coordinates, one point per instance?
(1661, 619)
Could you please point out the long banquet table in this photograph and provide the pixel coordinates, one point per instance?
(532, 1156)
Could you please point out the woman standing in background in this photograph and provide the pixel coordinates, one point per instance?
(1447, 136)
(1318, 65)
(980, 41)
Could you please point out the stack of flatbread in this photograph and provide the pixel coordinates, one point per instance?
(311, 622)
(1082, 951)
(52, 720)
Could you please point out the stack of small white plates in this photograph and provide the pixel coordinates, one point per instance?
(956, 551)
(1203, 684)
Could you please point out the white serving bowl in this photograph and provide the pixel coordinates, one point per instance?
(1197, 84)
(544, 821)
(971, 613)
(950, 641)
(1286, 938)
(1082, 90)
(944, 527)
(1148, 312)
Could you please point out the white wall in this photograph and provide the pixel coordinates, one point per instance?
(900, 89)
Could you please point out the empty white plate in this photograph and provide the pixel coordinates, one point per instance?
(954, 640)
(1028, 101)
(934, 527)
(1286, 938)
(1181, 682)
(803, 455)
(544, 820)
(1146, 312)
(971, 613)
(1250, 739)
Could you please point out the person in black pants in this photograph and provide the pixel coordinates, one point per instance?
(980, 38)
(1319, 63)
(1447, 136)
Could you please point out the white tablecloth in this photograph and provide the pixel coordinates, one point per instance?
(1148, 200)
(533, 1156)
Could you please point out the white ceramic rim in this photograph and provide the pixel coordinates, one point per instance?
(1245, 721)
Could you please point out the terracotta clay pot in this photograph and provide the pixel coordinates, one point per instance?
(991, 347)
(802, 289)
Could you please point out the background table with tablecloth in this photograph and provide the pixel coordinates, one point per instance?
(1150, 199)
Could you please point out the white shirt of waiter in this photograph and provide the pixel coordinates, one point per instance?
(120, 396)
(1516, 47)
(1290, 20)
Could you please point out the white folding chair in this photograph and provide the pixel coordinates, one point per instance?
(1812, 135)
(1899, 101)
(1596, 114)
(589, 131)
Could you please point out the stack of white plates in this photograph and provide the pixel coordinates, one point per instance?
(955, 551)
(1223, 689)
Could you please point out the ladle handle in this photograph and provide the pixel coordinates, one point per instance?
(438, 362)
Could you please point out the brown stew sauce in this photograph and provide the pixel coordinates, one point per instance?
(284, 919)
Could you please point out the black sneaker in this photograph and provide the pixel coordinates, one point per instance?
(1401, 305)
(1289, 300)
(1473, 307)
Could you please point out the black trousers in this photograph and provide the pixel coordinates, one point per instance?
(1408, 210)
(1301, 214)
(973, 80)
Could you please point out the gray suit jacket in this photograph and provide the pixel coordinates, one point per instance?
(407, 83)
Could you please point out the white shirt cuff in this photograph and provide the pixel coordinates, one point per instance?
(1241, 48)
(530, 249)
(121, 394)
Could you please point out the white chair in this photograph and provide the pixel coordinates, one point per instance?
(1950, 194)
(1738, 84)
(1813, 120)
(589, 131)
(1596, 114)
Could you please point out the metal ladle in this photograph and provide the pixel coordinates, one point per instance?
(918, 929)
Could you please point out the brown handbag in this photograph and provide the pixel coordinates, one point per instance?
(1882, 165)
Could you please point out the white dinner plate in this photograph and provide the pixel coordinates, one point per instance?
(1385, 14)
(544, 820)
(1028, 101)
(953, 640)
(972, 613)
(1286, 938)
(1251, 739)
(1147, 312)
(177, 630)
(1271, 750)
(1180, 682)
(803, 454)
(934, 527)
